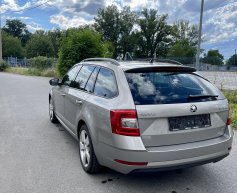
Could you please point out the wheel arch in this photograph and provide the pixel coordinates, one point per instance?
(79, 125)
(84, 122)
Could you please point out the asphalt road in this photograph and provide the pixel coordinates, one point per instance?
(39, 157)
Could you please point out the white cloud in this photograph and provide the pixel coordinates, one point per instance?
(11, 5)
(33, 26)
(68, 22)
(136, 5)
(75, 6)
(24, 18)
(221, 24)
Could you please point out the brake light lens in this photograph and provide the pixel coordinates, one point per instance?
(124, 122)
(228, 122)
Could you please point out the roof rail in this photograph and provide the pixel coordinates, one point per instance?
(115, 62)
(165, 60)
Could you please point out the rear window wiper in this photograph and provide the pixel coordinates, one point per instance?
(193, 97)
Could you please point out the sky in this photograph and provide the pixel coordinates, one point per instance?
(219, 19)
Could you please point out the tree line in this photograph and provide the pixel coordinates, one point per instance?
(114, 33)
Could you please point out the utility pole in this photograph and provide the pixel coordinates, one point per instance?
(0, 33)
(199, 37)
(235, 57)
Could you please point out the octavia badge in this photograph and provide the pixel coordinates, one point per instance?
(193, 108)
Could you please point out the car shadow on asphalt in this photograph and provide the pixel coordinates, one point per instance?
(146, 179)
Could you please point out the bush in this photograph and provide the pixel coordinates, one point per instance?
(78, 45)
(3, 65)
(11, 46)
(231, 96)
(34, 72)
(49, 73)
(39, 45)
(41, 63)
(182, 52)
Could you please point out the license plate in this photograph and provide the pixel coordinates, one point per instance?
(189, 122)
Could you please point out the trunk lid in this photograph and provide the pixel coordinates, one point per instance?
(154, 124)
(174, 105)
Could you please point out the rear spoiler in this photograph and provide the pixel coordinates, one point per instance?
(161, 69)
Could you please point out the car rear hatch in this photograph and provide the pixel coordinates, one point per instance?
(175, 106)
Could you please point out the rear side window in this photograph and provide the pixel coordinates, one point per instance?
(105, 85)
(170, 87)
(91, 82)
(83, 76)
(70, 76)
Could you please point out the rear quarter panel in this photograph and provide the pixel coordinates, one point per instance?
(96, 111)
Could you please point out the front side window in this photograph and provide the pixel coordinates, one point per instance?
(170, 87)
(83, 76)
(105, 85)
(70, 76)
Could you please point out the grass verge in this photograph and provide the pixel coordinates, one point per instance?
(33, 71)
(232, 98)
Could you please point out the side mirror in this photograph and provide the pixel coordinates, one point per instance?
(55, 82)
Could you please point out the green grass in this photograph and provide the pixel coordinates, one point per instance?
(33, 72)
(17, 70)
(232, 98)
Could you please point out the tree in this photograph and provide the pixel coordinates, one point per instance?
(154, 32)
(213, 57)
(183, 31)
(11, 46)
(18, 29)
(181, 51)
(78, 45)
(232, 60)
(55, 38)
(127, 38)
(117, 27)
(107, 22)
(39, 45)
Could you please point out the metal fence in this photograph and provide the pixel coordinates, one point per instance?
(16, 62)
(25, 63)
(223, 80)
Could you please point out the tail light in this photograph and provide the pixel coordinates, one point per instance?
(124, 122)
(228, 122)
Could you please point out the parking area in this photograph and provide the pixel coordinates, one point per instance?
(37, 156)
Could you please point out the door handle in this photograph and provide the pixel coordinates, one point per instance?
(79, 102)
(63, 95)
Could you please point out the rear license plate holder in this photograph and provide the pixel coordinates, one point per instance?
(189, 122)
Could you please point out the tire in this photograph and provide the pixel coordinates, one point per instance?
(87, 155)
(52, 116)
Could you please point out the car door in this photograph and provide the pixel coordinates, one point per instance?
(60, 92)
(77, 95)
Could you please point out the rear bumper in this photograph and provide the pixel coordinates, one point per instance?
(183, 165)
(167, 157)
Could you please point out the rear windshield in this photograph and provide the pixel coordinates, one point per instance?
(169, 88)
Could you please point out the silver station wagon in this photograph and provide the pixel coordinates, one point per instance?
(141, 116)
